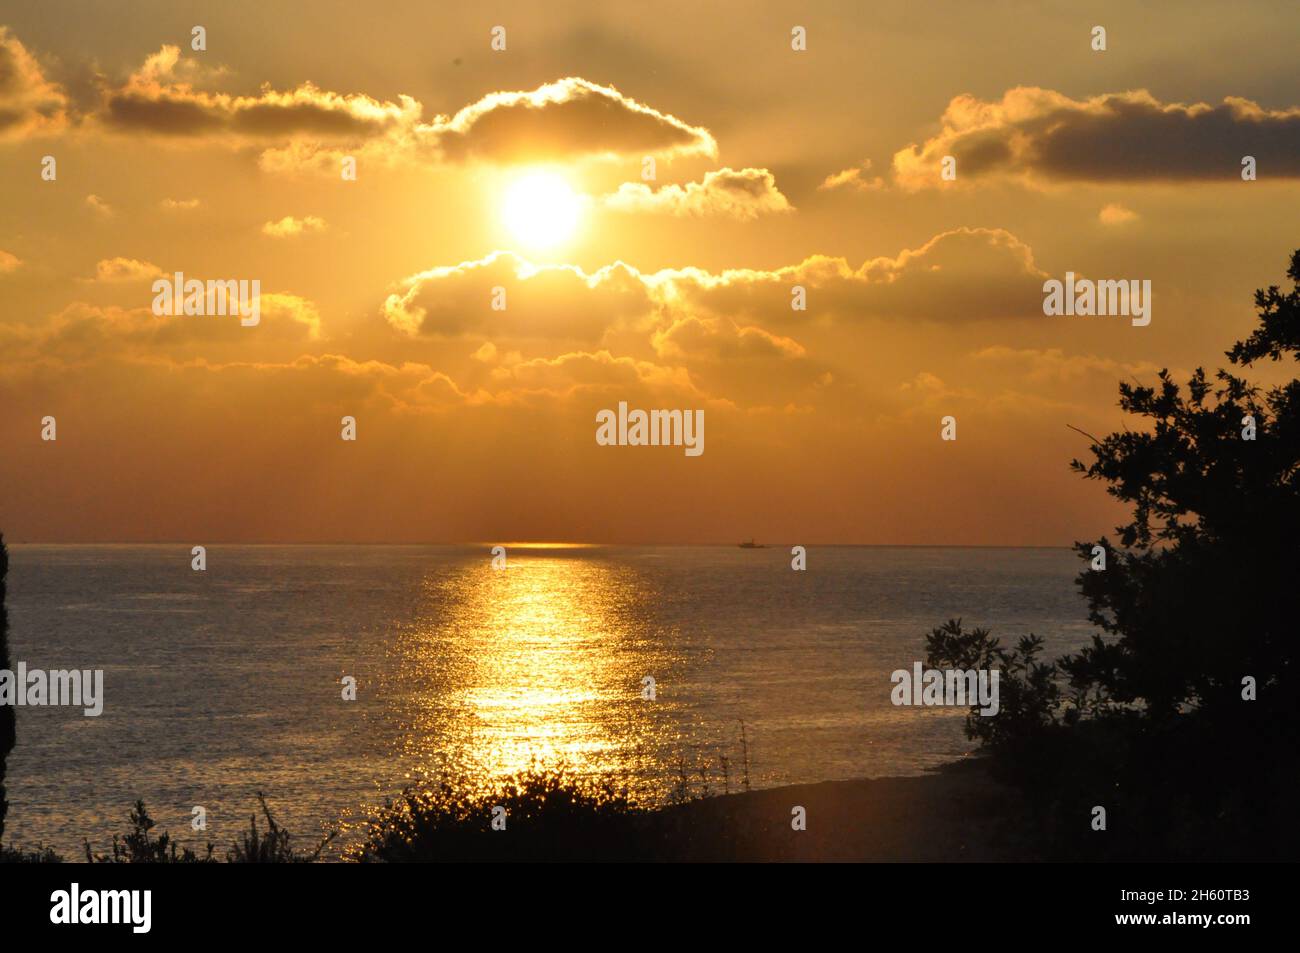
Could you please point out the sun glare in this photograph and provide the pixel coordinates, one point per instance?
(541, 210)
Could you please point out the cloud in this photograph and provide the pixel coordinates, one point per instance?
(99, 206)
(927, 391)
(179, 205)
(731, 335)
(748, 364)
(547, 302)
(290, 227)
(1043, 136)
(30, 104)
(9, 262)
(161, 99)
(615, 327)
(83, 331)
(175, 97)
(298, 315)
(961, 275)
(958, 276)
(928, 397)
(567, 120)
(328, 380)
(1116, 214)
(853, 178)
(742, 194)
(719, 339)
(121, 270)
(1053, 365)
(583, 371)
(570, 118)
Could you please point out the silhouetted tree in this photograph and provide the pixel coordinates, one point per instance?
(1201, 592)
(1198, 597)
(6, 711)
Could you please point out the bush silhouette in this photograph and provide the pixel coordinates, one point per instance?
(139, 846)
(549, 815)
(275, 847)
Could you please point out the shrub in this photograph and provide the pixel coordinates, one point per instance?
(549, 815)
(140, 847)
(275, 847)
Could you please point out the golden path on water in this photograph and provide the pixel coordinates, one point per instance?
(539, 663)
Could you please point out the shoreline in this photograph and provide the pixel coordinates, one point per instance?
(954, 813)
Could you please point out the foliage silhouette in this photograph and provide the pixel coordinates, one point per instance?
(37, 855)
(275, 847)
(139, 846)
(550, 815)
(1153, 719)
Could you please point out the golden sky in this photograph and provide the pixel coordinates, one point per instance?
(525, 169)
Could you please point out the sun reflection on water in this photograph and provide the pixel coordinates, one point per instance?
(540, 663)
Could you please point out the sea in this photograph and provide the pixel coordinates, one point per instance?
(333, 678)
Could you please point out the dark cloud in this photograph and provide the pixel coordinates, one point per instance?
(1045, 136)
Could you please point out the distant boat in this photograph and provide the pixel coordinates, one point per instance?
(753, 545)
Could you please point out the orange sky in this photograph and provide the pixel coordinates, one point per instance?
(773, 168)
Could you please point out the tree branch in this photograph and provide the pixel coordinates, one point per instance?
(1084, 432)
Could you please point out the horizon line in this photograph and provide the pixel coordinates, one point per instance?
(538, 544)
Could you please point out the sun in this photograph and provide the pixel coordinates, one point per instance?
(541, 210)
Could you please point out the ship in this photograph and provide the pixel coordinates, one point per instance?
(750, 544)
